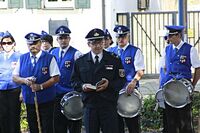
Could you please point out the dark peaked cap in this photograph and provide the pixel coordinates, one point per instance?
(95, 34)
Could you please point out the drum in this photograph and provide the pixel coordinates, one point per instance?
(72, 106)
(177, 93)
(129, 105)
(160, 99)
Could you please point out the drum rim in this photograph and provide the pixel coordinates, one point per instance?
(138, 110)
(166, 101)
(65, 101)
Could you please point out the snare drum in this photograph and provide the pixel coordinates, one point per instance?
(177, 93)
(72, 106)
(160, 99)
(129, 105)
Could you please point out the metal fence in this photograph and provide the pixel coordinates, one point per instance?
(148, 30)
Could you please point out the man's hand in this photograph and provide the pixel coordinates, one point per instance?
(130, 87)
(102, 85)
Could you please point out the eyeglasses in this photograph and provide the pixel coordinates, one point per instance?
(8, 43)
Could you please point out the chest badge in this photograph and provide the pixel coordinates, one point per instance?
(67, 64)
(44, 70)
(183, 58)
(128, 60)
(109, 67)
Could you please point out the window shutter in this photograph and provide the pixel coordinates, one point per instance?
(83, 4)
(33, 4)
(15, 3)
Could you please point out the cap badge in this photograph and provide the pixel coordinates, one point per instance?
(96, 34)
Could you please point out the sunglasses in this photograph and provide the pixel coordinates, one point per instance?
(8, 43)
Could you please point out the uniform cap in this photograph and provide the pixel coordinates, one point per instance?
(32, 37)
(95, 34)
(46, 37)
(121, 30)
(62, 30)
(107, 34)
(174, 29)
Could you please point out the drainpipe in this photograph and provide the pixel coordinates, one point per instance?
(182, 13)
(103, 15)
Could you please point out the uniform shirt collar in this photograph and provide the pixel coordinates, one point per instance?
(8, 54)
(65, 49)
(179, 46)
(37, 55)
(124, 48)
(100, 56)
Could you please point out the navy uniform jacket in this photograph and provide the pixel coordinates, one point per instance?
(110, 68)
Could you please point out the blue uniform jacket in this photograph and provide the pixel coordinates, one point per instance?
(6, 69)
(178, 64)
(66, 67)
(127, 59)
(41, 72)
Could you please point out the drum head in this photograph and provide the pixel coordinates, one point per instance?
(160, 98)
(128, 105)
(176, 94)
(73, 108)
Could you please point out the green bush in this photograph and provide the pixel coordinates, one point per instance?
(150, 120)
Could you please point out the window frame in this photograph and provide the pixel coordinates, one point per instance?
(59, 4)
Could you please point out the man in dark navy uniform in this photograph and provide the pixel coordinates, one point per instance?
(65, 57)
(133, 62)
(177, 60)
(37, 72)
(99, 75)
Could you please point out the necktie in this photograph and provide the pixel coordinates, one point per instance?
(176, 49)
(61, 55)
(34, 60)
(6, 56)
(120, 51)
(96, 60)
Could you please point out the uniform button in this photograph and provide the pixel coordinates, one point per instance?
(178, 55)
(170, 63)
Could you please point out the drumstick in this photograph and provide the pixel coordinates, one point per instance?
(37, 112)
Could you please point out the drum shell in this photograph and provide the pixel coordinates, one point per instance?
(72, 106)
(177, 93)
(129, 105)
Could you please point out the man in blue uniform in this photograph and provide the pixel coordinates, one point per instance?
(99, 75)
(177, 60)
(37, 72)
(133, 62)
(47, 42)
(65, 57)
(10, 105)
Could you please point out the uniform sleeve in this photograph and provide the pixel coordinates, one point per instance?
(77, 55)
(54, 70)
(139, 60)
(75, 78)
(194, 57)
(17, 67)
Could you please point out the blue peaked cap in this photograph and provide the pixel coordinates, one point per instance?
(174, 29)
(1, 34)
(32, 37)
(121, 30)
(62, 30)
(7, 34)
(107, 34)
(95, 34)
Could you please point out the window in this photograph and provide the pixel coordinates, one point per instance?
(59, 4)
(3, 3)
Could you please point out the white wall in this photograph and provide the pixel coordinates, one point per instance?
(22, 21)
